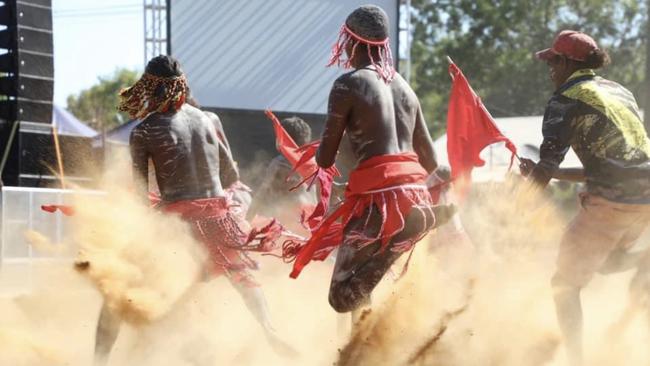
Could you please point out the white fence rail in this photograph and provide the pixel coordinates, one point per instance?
(21, 213)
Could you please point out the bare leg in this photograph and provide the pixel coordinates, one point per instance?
(356, 274)
(569, 314)
(620, 261)
(255, 301)
(108, 328)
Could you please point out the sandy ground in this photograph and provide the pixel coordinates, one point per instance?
(48, 315)
(53, 321)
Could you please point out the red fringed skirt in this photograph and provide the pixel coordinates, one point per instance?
(394, 184)
(223, 232)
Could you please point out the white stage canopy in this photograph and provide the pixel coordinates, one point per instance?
(258, 54)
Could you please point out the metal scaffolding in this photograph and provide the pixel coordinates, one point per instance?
(155, 28)
(404, 9)
(407, 69)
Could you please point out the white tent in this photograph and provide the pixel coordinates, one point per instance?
(524, 132)
(118, 136)
(67, 124)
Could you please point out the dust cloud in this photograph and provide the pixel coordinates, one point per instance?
(498, 311)
(141, 261)
(489, 304)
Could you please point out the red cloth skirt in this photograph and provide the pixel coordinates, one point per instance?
(222, 231)
(395, 184)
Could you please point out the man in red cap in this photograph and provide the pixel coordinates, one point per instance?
(600, 120)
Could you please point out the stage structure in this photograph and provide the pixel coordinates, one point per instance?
(242, 57)
(155, 28)
(259, 54)
(27, 143)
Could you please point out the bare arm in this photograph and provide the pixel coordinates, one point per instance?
(140, 161)
(339, 106)
(423, 144)
(221, 134)
(228, 172)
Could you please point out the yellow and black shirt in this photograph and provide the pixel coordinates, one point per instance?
(600, 120)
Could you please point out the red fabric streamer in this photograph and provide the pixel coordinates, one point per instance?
(154, 198)
(303, 161)
(65, 209)
(470, 128)
(394, 183)
(289, 149)
(264, 237)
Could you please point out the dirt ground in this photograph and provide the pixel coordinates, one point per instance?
(53, 321)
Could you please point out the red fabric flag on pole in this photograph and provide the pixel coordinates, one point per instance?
(470, 127)
(289, 149)
(303, 161)
(65, 209)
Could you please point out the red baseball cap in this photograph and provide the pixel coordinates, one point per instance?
(572, 44)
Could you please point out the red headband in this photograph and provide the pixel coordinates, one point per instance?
(384, 66)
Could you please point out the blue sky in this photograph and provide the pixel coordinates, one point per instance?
(93, 38)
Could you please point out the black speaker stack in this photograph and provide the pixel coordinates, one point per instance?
(28, 66)
(27, 151)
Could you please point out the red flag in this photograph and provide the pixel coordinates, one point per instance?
(303, 161)
(65, 209)
(470, 127)
(289, 149)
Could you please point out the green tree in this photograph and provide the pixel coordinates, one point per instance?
(98, 105)
(493, 43)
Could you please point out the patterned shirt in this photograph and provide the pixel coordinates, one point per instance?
(600, 120)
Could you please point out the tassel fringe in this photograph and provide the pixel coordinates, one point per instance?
(384, 66)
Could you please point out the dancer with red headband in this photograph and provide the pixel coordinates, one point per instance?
(387, 207)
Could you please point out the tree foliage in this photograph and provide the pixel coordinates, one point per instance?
(493, 43)
(97, 105)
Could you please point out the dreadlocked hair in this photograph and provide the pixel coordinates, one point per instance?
(153, 94)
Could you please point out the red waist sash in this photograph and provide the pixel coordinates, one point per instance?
(393, 183)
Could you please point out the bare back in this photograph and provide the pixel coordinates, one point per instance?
(379, 119)
(184, 149)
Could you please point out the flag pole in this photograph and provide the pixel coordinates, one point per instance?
(451, 62)
(59, 157)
